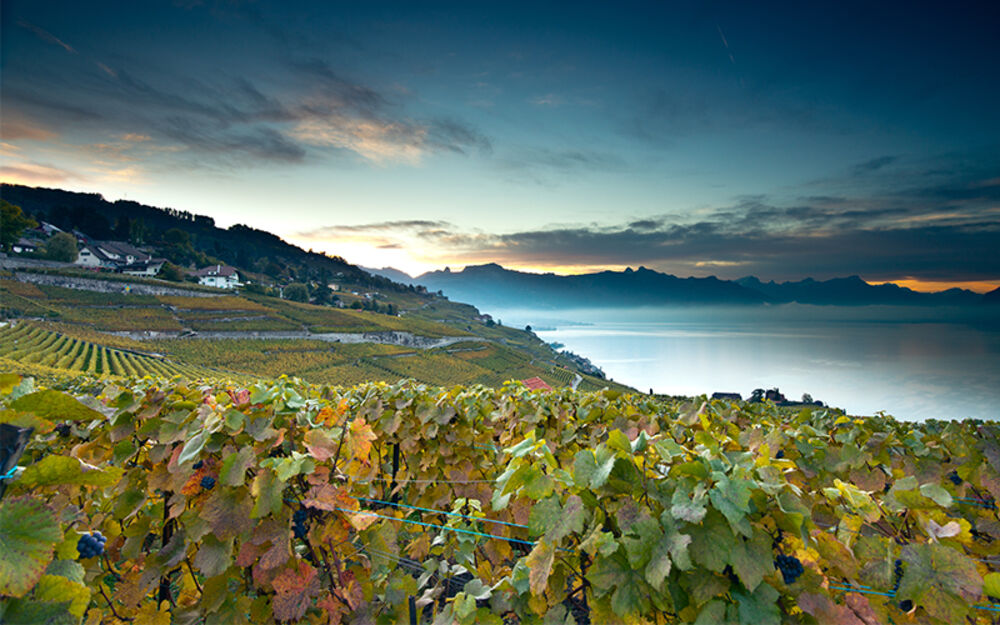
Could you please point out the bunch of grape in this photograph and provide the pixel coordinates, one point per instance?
(897, 574)
(207, 482)
(955, 479)
(790, 568)
(91, 545)
(300, 523)
(64, 430)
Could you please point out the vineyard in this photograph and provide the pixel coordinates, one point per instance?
(28, 344)
(287, 502)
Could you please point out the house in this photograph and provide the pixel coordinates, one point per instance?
(536, 384)
(93, 257)
(219, 276)
(24, 246)
(732, 396)
(149, 267)
(118, 256)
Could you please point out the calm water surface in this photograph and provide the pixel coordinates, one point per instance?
(911, 363)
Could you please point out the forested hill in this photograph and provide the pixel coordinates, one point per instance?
(242, 246)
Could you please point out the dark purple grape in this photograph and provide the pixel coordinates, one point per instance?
(208, 482)
(905, 605)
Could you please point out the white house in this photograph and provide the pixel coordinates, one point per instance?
(116, 255)
(149, 267)
(219, 276)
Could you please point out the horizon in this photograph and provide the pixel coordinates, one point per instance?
(696, 141)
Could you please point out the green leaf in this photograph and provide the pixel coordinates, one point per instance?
(29, 533)
(268, 495)
(618, 440)
(639, 541)
(544, 515)
(214, 556)
(613, 573)
(55, 406)
(234, 467)
(58, 589)
(937, 494)
(671, 548)
(193, 447)
(752, 559)
(991, 584)
(731, 498)
(759, 607)
(59, 470)
(710, 540)
(941, 580)
(687, 505)
(287, 468)
(605, 463)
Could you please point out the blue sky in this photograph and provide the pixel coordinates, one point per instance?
(698, 138)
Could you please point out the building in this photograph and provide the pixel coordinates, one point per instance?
(219, 276)
(149, 267)
(536, 384)
(24, 246)
(732, 396)
(118, 256)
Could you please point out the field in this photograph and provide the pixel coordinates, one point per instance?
(103, 332)
(27, 346)
(401, 503)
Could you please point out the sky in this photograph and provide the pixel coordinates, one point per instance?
(782, 140)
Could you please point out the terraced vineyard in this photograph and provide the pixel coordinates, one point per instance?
(108, 333)
(29, 344)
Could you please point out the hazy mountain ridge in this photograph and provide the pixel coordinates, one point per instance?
(491, 285)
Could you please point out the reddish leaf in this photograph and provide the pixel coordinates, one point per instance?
(294, 589)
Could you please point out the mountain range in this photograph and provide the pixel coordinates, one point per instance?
(493, 286)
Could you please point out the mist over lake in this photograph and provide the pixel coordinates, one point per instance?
(912, 363)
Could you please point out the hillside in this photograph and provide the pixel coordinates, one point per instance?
(252, 251)
(853, 291)
(433, 341)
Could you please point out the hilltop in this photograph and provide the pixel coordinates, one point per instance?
(493, 286)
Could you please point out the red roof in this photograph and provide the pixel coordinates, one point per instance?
(536, 384)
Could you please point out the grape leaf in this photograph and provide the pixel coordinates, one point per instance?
(751, 559)
(58, 470)
(294, 589)
(940, 579)
(234, 467)
(55, 406)
(826, 611)
(731, 497)
(759, 607)
(709, 542)
(539, 563)
(29, 532)
(58, 589)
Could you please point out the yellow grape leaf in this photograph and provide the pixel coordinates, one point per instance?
(150, 614)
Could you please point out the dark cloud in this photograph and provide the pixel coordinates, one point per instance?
(874, 164)
(879, 238)
(545, 166)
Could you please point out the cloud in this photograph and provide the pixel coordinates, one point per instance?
(545, 166)
(402, 225)
(46, 36)
(873, 165)
(32, 173)
(230, 121)
(880, 238)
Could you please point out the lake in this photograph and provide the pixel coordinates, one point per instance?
(912, 363)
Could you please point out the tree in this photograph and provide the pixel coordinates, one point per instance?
(807, 398)
(13, 223)
(297, 292)
(757, 395)
(172, 272)
(61, 247)
(527, 329)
